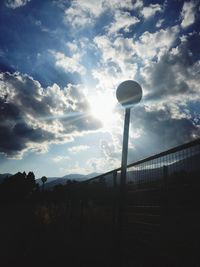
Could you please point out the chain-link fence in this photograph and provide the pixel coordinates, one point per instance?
(161, 205)
(158, 169)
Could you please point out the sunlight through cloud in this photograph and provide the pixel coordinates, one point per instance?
(102, 107)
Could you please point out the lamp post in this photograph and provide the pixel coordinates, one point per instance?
(43, 179)
(128, 94)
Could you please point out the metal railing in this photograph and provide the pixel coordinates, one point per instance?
(183, 158)
(160, 212)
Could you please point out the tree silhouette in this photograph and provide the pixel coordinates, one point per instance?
(31, 184)
(18, 186)
(43, 179)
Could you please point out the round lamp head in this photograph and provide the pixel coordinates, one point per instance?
(129, 93)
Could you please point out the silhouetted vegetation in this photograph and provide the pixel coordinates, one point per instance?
(50, 228)
(18, 187)
(76, 224)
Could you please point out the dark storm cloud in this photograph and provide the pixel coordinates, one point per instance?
(32, 117)
(160, 131)
(175, 73)
(153, 130)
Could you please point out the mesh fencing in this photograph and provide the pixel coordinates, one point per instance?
(160, 214)
(154, 170)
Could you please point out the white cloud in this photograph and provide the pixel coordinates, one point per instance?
(85, 13)
(78, 18)
(151, 10)
(77, 149)
(157, 43)
(117, 60)
(126, 4)
(120, 56)
(33, 117)
(137, 4)
(162, 128)
(16, 3)
(69, 64)
(94, 8)
(188, 14)
(99, 164)
(170, 80)
(74, 168)
(159, 23)
(122, 20)
(174, 77)
(73, 47)
(60, 158)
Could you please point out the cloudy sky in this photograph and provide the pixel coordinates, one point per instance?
(60, 64)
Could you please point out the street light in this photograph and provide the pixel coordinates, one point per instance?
(128, 94)
(43, 179)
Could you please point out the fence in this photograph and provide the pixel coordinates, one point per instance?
(161, 207)
(151, 169)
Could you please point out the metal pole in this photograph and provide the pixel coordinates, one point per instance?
(125, 148)
(122, 192)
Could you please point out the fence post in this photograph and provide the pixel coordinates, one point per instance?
(115, 216)
(164, 209)
(165, 178)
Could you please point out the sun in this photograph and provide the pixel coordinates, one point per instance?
(102, 107)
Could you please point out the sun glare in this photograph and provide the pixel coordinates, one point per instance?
(102, 107)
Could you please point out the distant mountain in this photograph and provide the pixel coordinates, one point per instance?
(74, 176)
(191, 163)
(49, 180)
(3, 176)
(91, 175)
(52, 181)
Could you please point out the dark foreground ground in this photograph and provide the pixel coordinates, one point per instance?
(53, 229)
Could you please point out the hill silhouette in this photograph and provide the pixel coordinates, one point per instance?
(53, 181)
(4, 175)
(92, 223)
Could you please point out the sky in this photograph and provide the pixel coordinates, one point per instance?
(60, 65)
